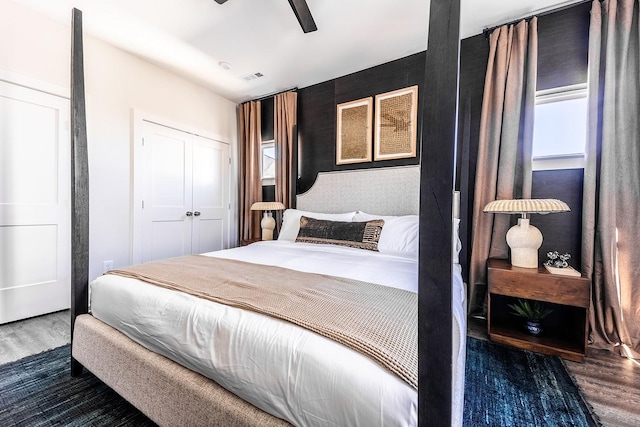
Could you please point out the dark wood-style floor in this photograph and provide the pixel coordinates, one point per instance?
(610, 383)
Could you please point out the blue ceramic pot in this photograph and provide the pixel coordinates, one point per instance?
(534, 328)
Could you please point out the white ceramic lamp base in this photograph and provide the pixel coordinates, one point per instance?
(524, 240)
(268, 224)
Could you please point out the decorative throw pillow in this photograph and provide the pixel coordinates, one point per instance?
(361, 235)
(291, 221)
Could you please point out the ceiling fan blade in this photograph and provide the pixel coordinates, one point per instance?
(302, 12)
(220, 1)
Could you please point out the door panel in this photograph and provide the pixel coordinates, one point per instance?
(31, 249)
(210, 195)
(28, 151)
(35, 240)
(167, 167)
(168, 171)
(169, 239)
(210, 235)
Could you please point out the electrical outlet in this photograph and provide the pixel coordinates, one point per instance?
(107, 265)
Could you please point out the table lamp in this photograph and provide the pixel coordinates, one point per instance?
(524, 239)
(268, 223)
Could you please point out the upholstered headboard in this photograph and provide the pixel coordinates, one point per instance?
(384, 191)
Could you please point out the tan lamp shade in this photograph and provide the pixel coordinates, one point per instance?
(524, 206)
(267, 206)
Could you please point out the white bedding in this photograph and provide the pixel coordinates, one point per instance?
(281, 368)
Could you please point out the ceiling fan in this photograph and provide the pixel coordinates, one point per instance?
(302, 12)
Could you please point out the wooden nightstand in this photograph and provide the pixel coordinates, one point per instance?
(565, 329)
(245, 242)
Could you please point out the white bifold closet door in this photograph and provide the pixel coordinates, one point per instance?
(35, 175)
(185, 193)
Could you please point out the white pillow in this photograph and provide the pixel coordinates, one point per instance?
(360, 216)
(457, 243)
(399, 233)
(291, 221)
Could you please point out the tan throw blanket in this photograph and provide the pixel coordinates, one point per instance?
(377, 321)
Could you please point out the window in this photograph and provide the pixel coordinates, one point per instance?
(268, 162)
(560, 128)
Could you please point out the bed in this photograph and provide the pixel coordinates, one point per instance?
(188, 361)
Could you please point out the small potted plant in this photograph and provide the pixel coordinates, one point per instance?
(533, 312)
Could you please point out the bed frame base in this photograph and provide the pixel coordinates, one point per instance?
(163, 390)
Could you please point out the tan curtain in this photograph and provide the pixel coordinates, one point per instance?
(285, 113)
(611, 195)
(503, 168)
(250, 179)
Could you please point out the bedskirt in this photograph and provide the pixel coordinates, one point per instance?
(166, 392)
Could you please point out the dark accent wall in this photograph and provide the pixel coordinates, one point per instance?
(563, 47)
(266, 118)
(317, 116)
(268, 193)
(317, 113)
(561, 232)
(563, 40)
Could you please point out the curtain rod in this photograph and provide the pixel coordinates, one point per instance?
(542, 12)
(293, 89)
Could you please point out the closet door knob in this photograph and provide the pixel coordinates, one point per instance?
(196, 213)
(189, 213)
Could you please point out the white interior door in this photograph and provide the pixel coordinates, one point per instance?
(210, 195)
(167, 193)
(185, 193)
(35, 240)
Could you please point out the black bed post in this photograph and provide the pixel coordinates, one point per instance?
(79, 184)
(439, 119)
(293, 176)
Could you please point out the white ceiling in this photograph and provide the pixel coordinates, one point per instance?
(192, 37)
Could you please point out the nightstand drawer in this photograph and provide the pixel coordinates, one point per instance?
(246, 242)
(537, 284)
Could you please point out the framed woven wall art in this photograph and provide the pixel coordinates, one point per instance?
(353, 131)
(395, 124)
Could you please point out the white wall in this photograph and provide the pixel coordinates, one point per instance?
(36, 51)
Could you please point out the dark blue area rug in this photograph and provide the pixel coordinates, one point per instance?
(39, 391)
(505, 386)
